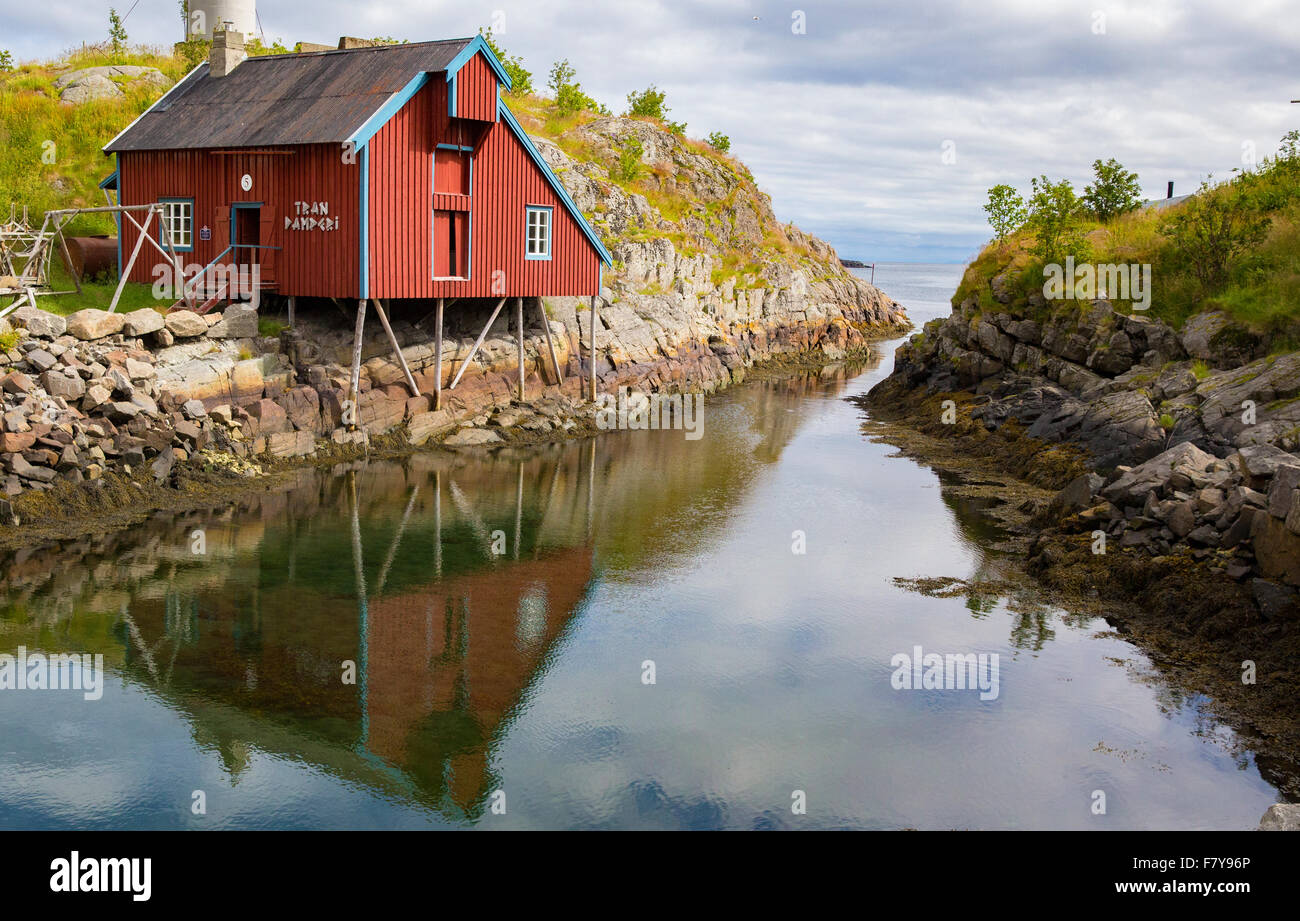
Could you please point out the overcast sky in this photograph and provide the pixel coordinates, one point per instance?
(846, 124)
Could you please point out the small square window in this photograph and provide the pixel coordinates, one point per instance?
(538, 233)
(178, 215)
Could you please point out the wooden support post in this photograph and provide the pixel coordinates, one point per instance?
(519, 322)
(478, 342)
(293, 303)
(67, 258)
(354, 393)
(437, 359)
(126, 273)
(591, 390)
(397, 349)
(546, 325)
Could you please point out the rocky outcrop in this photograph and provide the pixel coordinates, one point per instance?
(107, 82)
(1195, 451)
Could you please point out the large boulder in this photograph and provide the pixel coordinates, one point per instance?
(95, 324)
(40, 323)
(91, 83)
(142, 322)
(185, 324)
(1132, 487)
(238, 322)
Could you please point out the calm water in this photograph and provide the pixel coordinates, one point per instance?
(522, 672)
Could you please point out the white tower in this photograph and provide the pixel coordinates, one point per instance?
(206, 16)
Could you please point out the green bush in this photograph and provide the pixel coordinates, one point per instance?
(1212, 229)
(648, 103)
(628, 166)
(719, 141)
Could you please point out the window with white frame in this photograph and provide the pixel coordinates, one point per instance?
(178, 217)
(539, 233)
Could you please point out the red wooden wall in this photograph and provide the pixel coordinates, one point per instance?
(504, 181)
(476, 90)
(310, 262)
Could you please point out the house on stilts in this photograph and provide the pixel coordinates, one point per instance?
(372, 175)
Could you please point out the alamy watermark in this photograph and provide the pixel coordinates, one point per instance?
(930, 671)
(1086, 282)
(633, 410)
(58, 672)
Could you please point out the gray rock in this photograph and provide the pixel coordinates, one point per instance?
(1276, 602)
(91, 324)
(39, 322)
(142, 322)
(67, 386)
(1286, 478)
(1199, 331)
(238, 322)
(1132, 486)
(1280, 817)
(1182, 520)
(41, 360)
(185, 324)
(472, 437)
(1077, 495)
(1258, 462)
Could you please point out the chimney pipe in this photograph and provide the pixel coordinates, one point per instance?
(227, 52)
(1170, 193)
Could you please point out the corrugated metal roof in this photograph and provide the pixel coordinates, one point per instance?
(314, 98)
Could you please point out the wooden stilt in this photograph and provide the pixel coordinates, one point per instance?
(591, 390)
(126, 273)
(519, 323)
(397, 349)
(437, 359)
(293, 303)
(355, 390)
(546, 325)
(478, 342)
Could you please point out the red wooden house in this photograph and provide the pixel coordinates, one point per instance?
(384, 172)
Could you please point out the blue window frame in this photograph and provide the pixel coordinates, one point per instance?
(537, 231)
(178, 215)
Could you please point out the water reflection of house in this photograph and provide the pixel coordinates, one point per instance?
(447, 666)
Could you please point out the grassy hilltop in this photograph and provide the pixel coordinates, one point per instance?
(1232, 246)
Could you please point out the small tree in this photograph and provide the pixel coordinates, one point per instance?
(719, 141)
(1054, 219)
(6, 61)
(569, 97)
(116, 32)
(1211, 229)
(648, 103)
(1006, 211)
(1115, 190)
(521, 79)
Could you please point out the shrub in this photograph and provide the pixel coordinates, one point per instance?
(648, 103)
(628, 166)
(6, 61)
(1212, 228)
(719, 141)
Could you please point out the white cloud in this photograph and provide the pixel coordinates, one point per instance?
(843, 125)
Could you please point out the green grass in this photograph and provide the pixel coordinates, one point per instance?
(1261, 291)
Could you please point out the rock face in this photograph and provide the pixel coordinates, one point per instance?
(1196, 461)
(106, 82)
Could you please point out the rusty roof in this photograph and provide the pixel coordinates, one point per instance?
(317, 97)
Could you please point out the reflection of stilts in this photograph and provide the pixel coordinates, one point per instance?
(437, 523)
(359, 566)
(591, 485)
(519, 510)
(397, 540)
